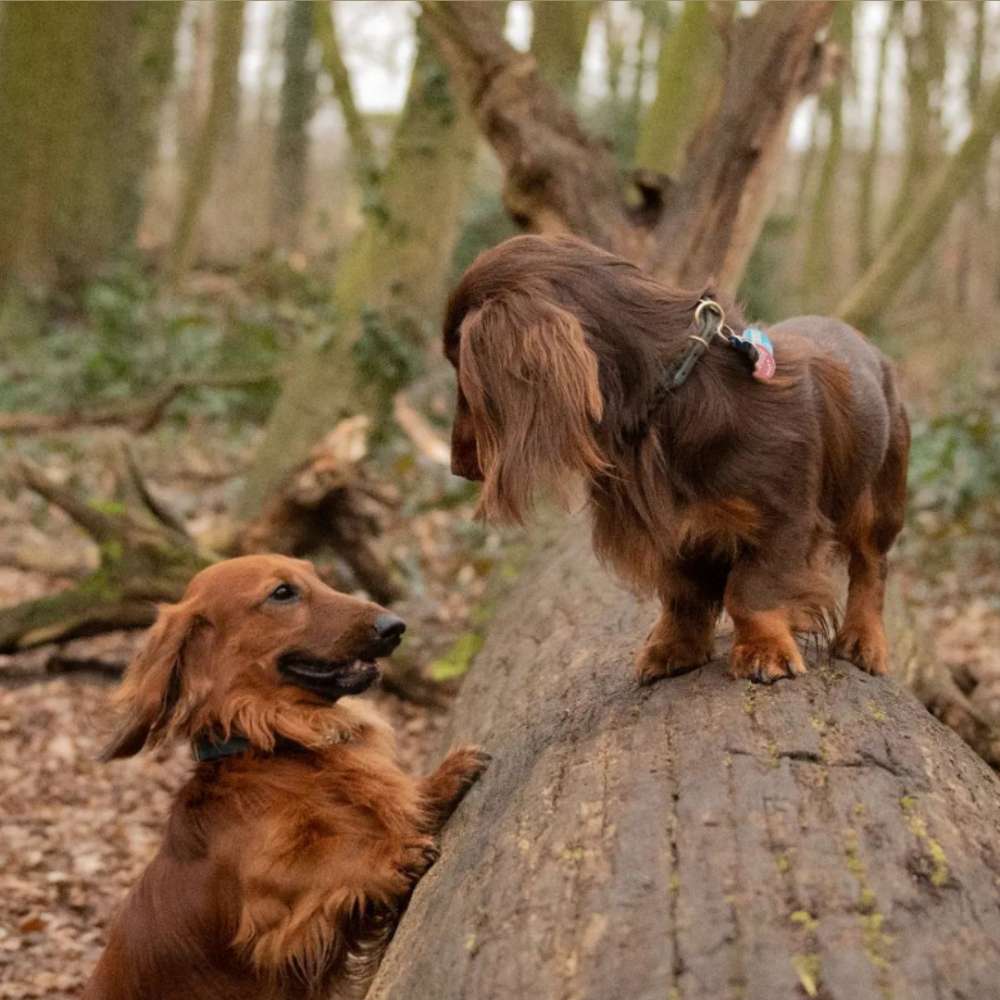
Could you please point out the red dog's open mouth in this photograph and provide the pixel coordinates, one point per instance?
(329, 679)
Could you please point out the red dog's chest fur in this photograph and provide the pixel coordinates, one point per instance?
(265, 861)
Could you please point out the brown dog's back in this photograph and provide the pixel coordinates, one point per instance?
(859, 409)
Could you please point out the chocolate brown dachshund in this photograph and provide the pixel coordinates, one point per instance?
(722, 464)
(291, 850)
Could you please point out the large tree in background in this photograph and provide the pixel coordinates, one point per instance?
(81, 86)
(698, 226)
(389, 285)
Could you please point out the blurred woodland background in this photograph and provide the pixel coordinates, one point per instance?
(228, 230)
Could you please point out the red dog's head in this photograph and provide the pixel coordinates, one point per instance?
(259, 645)
(557, 347)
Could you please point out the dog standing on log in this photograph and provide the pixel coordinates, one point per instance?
(297, 840)
(721, 463)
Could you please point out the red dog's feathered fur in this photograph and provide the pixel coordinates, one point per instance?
(284, 866)
(726, 492)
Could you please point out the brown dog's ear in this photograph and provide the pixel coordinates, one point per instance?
(531, 382)
(152, 684)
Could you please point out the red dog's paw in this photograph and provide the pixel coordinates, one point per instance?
(670, 657)
(864, 645)
(765, 660)
(467, 763)
(418, 856)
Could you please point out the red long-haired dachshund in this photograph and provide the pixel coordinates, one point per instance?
(289, 853)
(722, 463)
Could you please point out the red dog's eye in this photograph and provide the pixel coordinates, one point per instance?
(284, 593)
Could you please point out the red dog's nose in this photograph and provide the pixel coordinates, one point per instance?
(388, 626)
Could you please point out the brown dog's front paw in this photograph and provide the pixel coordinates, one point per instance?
(765, 661)
(864, 646)
(468, 763)
(669, 658)
(418, 856)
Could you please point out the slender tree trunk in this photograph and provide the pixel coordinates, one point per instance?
(81, 85)
(654, 16)
(291, 154)
(977, 206)
(389, 287)
(874, 292)
(702, 839)
(925, 67)
(870, 161)
(216, 124)
(362, 147)
(557, 40)
(689, 82)
(273, 45)
(818, 276)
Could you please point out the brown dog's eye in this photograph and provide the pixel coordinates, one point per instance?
(284, 593)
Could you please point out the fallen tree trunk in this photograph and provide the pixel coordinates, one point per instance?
(699, 839)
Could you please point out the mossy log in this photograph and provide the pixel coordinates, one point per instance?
(702, 838)
(146, 556)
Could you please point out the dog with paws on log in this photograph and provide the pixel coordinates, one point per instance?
(724, 465)
(295, 844)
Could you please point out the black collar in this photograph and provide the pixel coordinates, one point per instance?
(710, 322)
(205, 749)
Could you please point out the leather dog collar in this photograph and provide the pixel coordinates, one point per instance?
(205, 749)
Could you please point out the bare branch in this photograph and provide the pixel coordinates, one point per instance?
(139, 416)
(99, 526)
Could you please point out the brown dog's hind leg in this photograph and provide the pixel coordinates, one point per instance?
(446, 787)
(683, 635)
(869, 533)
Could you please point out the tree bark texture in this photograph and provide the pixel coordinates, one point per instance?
(81, 86)
(704, 838)
(559, 179)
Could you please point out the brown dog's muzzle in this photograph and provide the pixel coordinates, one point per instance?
(332, 679)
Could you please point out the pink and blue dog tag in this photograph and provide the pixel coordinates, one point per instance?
(756, 346)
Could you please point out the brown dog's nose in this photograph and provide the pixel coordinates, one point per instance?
(388, 626)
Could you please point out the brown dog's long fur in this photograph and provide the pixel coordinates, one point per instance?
(726, 492)
(282, 867)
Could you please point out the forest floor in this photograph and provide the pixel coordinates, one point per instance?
(75, 834)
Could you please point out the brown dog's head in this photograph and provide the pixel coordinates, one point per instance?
(557, 347)
(257, 644)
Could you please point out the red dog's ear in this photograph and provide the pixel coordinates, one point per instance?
(152, 685)
(531, 382)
